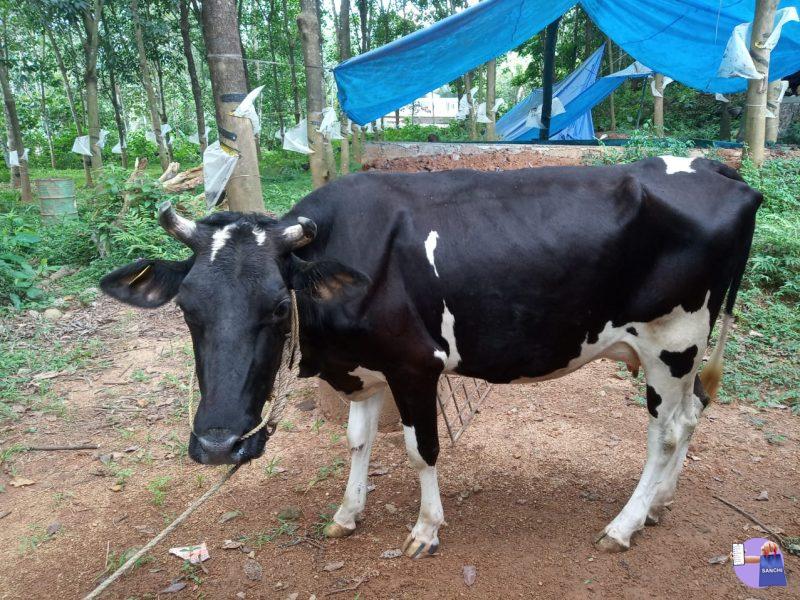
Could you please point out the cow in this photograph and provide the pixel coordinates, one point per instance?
(516, 276)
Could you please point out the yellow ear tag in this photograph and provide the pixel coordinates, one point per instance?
(139, 276)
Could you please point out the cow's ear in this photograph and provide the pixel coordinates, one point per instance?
(146, 283)
(327, 280)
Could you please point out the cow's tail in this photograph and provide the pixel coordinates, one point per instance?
(711, 376)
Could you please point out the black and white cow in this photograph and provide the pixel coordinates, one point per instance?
(516, 276)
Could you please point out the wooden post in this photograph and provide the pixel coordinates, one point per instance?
(774, 107)
(658, 105)
(724, 122)
(229, 87)
(755, 125)
(551, 36)
(491, 93)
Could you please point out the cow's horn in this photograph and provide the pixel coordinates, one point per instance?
(301, 234)
(177, 226)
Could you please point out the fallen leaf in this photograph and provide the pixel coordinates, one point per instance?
(391, 553)
(21, 482)
(333, 566)
(470, 574)
(173, 587)
(763, 496)
(231, 545)
(116, 488)
(718, 560)
(228, 516)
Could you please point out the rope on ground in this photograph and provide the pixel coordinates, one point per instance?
(95, 593)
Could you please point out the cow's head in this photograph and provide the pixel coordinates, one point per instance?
(234, 294)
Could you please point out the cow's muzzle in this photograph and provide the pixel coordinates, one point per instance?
(224, 447)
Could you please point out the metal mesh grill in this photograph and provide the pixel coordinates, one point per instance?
(459, 399)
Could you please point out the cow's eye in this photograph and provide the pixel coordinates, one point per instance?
(282, 309)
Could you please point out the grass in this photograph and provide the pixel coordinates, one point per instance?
(37, 535)
(158, 489)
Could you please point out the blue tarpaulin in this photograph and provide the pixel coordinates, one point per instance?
(513, 125)
(684, 39)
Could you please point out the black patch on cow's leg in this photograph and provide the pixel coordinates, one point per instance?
(653, 400)
(679, 363)
(700, 391)
(632, 331)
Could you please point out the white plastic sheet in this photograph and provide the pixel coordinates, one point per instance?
(463, 105)
(330, 126)
(296, 138)
(150, 136)
(736, 61)
(165, 129)
(635, 68)
(12, 157)
(81, 145)
(101, 140)
(218, 166)
(535, 116)
(482, 116)
(721, 97)
(656, 93)
(117, 149)
(247, 109)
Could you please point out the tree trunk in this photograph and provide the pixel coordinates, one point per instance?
(308, 25)
(292, 63)
(228, 84)
(17, 142)
(91, 21)
(473, 130)
(588, 38)
(363, 12)
(610, 55)
(87, 171)
(43, 101)
(491, 93)
(757, 88)
(658, 106)
(774, 108)
(343, 40)
(276, 92)
(152, 101)
(197, 93)
(123, 136)
(163, 112)
(724, 122)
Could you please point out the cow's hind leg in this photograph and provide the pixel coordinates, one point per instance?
(674, 405)
(362, 426)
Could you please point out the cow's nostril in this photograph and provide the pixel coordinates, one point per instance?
(218, 441)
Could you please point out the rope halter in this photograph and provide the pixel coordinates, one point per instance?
(287, 372)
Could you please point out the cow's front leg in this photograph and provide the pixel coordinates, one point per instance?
(362, 426)
(422, 446)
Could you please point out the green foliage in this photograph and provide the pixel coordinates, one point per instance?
(643, 145)
(454, 132)
(19, 273)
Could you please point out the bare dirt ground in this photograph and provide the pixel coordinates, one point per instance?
(542, 468)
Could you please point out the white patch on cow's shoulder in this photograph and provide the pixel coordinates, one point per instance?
(430, 246)
(260, 235)
(219, 239)
(452, 359)
(678, 164)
